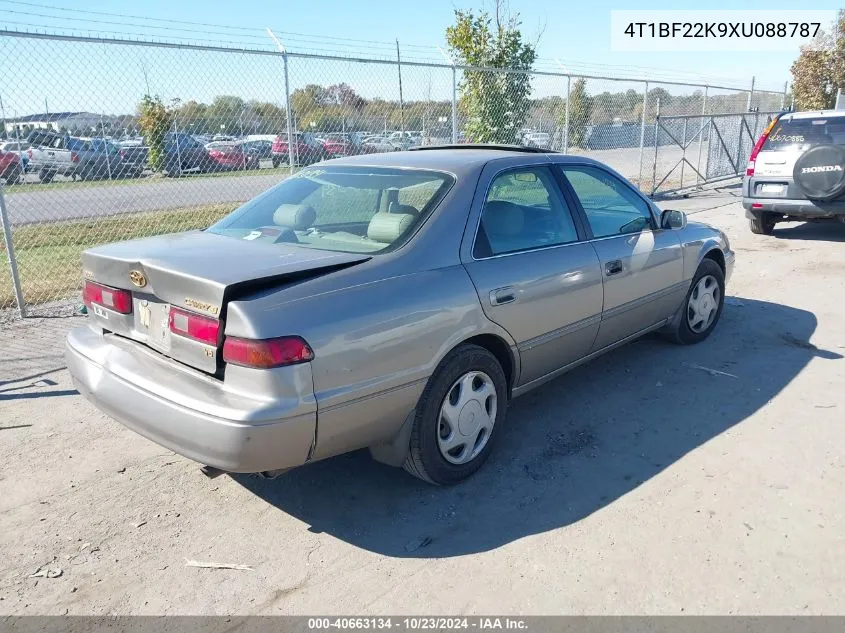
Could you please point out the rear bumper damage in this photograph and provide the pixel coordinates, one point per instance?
(188, 413)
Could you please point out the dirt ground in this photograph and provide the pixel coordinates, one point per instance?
(641, 483)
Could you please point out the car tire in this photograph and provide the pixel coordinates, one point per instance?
(762, 224)
(686, 332)
(45, 175)
(276, 162)
(464, 370)
(14, 175)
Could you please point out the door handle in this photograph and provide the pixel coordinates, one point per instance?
(613, 267)
(501, 296)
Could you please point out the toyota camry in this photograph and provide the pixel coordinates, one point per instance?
(395, 302)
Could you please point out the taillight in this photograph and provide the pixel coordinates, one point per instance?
(29, 151)
(108, 297)
(749, 169)
(196, 326)
(266, 353)
(74, 157)
(122, 154)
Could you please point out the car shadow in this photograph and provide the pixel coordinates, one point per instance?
(825, 231)
(569, 448)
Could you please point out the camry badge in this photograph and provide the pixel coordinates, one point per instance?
(137, 278)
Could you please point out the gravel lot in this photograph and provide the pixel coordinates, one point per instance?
(640, 483)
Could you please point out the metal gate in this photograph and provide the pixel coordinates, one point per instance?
(691, 151)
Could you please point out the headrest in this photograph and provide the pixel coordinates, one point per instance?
(295, 216)
(388, 227)
(395, 207)
(503, 218)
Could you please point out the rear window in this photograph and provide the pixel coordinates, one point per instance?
(802, 134)
(350, 209)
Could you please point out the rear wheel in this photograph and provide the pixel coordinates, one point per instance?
(762, 224)
(276, 161)
(459, 417)
(45, 175)
(14, 175)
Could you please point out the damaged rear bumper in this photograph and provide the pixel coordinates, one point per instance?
(189, 413)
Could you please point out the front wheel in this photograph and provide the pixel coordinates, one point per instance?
(702, 306)
(459, 416)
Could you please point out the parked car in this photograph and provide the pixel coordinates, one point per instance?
(257, 148)
(131, 161)
(796, 171)
(340, 144)
(541, 140)
(379, 144)
(53, 153)
(404, 140)
(306, 149)
(18, 147)
(184, 154)
(11, 167)
(392, 301)
(227, 156)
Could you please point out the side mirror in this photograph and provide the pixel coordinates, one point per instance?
(672, 219)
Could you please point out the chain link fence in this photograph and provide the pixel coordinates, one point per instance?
(77, 169)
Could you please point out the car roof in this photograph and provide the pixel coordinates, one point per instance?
(450, 159)
(813, 114)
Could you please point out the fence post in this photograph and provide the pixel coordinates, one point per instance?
(288, 114)
(642, 135)
(750, 96)
(10, 253)
(656, 134)
(454, 104)
(566, 115)
(783, 99)
(701, 136)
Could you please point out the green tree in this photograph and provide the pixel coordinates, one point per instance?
(580, 112)
(154, 120)
(495, 104)
(819, 71)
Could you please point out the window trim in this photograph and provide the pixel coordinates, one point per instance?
(654, 223)
(581, 235)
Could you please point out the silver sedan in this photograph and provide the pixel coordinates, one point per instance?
(391, 301)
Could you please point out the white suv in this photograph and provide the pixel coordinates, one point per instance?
(796, 171)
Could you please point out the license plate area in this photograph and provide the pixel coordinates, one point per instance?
(771, 189)
(153, 322)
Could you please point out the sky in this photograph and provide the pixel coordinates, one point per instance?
(575, 32)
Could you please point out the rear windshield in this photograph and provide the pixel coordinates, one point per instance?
(350, 209)
(802, 134)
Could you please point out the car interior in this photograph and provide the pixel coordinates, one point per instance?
(333, 210)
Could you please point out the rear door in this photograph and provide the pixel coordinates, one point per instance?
(535, 274)
(642, 265)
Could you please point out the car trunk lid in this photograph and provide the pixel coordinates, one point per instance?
(194, 275)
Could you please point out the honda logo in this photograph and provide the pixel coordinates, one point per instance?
(820, 169)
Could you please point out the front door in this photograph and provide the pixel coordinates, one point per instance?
(642, 265)
(534, 273)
